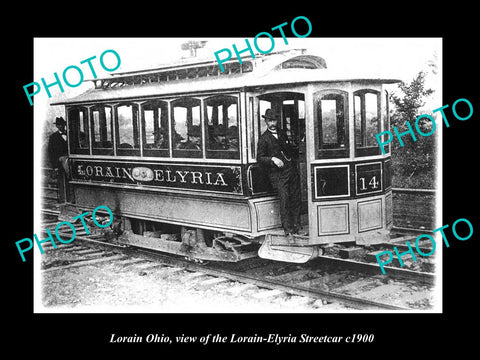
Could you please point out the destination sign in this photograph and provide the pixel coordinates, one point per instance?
(225, 179)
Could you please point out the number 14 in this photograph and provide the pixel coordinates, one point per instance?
(372, 184)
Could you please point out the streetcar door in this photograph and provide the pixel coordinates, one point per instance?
(290, 106)
(293, 123)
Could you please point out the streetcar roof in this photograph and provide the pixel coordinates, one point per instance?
(290, 67)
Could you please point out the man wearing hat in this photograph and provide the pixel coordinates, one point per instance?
(275, 154)
(218, 140)
(194, 141)
(232, 138)
(57, 154)
(57, 143)
(160, 136)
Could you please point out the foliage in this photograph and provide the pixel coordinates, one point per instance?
(407, 106)
(415, 157)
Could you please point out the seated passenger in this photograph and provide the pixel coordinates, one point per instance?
(160, 139)
(218, 140)
(194, 139)
(82, 140)
(125, 146)
(232, 138)
(177, 139)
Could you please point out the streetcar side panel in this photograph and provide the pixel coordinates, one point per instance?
(350, 191)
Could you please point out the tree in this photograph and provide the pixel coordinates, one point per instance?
(407, 106)
(415, 157)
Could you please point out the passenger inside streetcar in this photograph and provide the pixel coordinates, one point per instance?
(232, 138)
(82, 140)
(160, 139)
(218, 140)
(194, 140)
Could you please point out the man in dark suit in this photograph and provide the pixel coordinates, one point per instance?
(275, 154)
(57, 143)
(194, 141)
(57, 152)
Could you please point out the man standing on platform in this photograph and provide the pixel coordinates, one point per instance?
(275, 154)
(57, 152)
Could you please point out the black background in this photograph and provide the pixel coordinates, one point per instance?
(335, 180)
(410, 335)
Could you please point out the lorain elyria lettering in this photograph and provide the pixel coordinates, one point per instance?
(165, 176)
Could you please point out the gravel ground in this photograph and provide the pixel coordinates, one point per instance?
(110, 287)
(128, 284)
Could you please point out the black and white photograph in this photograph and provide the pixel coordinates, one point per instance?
(262, 180)
(279, 188)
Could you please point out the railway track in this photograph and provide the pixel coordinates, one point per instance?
(326, 280)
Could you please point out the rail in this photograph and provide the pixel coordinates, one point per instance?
(414, 191)
(240, 276)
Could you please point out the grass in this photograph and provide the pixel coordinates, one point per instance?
(419, 179)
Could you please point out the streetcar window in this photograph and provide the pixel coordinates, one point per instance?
(262, 107)
(78, 131)
(367, 122)
(290, 110)
(155, 128)
(128, 137)
(221, 127)
(102, 129)
(252, 131)
(357, 114)
(301, 109)
(186, 127)
(331, 125)
(386, 122)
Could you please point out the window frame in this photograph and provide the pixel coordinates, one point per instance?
(169, 103)
(101, 150)
(74, 130)
(330, 153)
(152, 152)
(186, 153)
(386, 122)
(215, 153)
(135, 151)
(363, 149)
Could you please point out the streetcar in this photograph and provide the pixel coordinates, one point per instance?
(172, 152)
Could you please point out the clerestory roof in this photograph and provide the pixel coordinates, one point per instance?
(197, 76)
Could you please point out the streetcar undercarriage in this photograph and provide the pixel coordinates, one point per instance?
(199, 244)
(193, 243)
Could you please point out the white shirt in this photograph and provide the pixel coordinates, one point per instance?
(274, 133)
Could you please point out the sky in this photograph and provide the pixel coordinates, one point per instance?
(398, 58)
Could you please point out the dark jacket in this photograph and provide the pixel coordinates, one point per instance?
(269, 146)
(57, 147)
